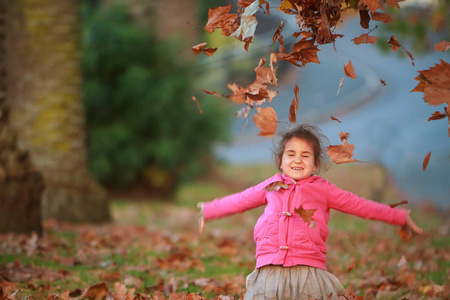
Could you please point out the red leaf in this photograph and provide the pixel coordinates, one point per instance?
(383, 82)
(437, 115)
(294, 106)
(442, 46)
(306, 214)
(405, 234)
(341, 154)
(364, 18)
(344, 135)
(349, 70)
(201, 48)
(266, 120)
(335, 119)
(426, 160)
(393, 43)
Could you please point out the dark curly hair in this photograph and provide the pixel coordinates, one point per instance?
(310, 134)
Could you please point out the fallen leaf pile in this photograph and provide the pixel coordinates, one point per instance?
(167, 258)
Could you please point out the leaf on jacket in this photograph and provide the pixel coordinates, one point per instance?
(341, 153)
(275, 186)
(306, 214)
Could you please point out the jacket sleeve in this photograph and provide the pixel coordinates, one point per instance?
(235, 203)
(350, 203)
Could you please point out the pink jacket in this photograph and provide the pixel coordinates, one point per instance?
(281, 235)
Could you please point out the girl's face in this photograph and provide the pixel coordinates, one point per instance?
(298, 159)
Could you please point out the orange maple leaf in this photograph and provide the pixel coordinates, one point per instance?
(349, 70)
(393, 43)
(306, 214)
(201, 48)
(341, 154)
(294, 106)
(266, 120)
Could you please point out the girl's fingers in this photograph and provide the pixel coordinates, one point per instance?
(201, 224)
(413, 226)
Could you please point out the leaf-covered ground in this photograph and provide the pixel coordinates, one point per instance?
(153, 250)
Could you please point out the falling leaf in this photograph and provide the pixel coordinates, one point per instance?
(293, 109)
(399, 203)
(248, 22)
(198, 104)
(201, 48)
(220, 17)
(349, 70)
(364, 18)
(426, 160)
(393, 3)
(442, 46)
(341, 83)
(278, 32)
(435, 84)
(379, 16)
(275, 186)
(285, 5)
(344, 135)
(437, 115)
(405, 234)
(266, 120)
(306, 214)
(410, 56)
(365, 39)
(393, 43)
(341, 153)
(372, 4)
(335, 119)
(242, 113)
(383, 82)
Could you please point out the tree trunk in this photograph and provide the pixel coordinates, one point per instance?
(20, 185)
(44, 91)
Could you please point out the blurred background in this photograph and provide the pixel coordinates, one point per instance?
(96, 102)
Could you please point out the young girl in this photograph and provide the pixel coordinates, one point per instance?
(290, 247)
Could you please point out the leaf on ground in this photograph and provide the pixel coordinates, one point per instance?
(266, 120)
(98, 291)
(399, 203)
(306, 214)
(442, 46)
(293, 109)
(349, 70)
(201, 48)
(275, 186)
(435, 84)
(365, 39)
(341, 154)
(426, 160)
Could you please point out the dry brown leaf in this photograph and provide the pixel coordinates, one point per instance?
(383, 82)
(442, 46)
(364, 18)
(437, 115)
(98, 291)
(293, 109)
(219, 17)
(405, 234)
(426, 160)
(278, 32)
(379, 16)
(201, 48)
(198, 104)
(399, 203)
(335, 119)
(242, 113)
(372, 4)
(306, 214)
(344, 136)
(435, 84)
(365, 39)
(275, 186)
(349, 70)
(266, 120)
(341, 153)
(393, 43)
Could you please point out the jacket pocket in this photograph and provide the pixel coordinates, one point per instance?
(306, 237)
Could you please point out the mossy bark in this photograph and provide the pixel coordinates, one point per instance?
(44, 92)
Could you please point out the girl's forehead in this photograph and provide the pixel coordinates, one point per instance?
(295, 143)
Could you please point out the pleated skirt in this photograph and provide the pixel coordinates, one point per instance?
(292, 283)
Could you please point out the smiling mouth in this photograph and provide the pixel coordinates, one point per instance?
(297, 169)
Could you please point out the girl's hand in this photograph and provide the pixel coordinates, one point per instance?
(412, 225)
(201, 220)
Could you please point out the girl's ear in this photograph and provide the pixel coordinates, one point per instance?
(279, 162)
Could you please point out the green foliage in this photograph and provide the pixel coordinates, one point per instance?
(139, 110)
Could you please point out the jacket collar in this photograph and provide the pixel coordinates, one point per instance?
(288, 180)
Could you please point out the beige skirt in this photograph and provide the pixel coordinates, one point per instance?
(289, 283)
